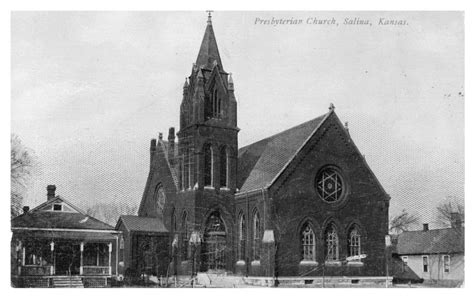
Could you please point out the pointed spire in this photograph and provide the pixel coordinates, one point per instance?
(185, 88)
(209, 51)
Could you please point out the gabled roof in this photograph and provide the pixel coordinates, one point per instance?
(431, 242)
(56, 200)
(41, 217)
(173, 169)
(208, 53)
(142, 224)
(261, 162)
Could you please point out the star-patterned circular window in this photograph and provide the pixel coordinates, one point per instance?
(330, 185)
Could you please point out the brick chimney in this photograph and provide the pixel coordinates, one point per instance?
(171, 138)
(152, 150)
(425, 227)
(51, 192)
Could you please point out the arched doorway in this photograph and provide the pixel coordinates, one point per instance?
(214, 243)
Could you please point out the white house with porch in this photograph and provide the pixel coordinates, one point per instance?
(57, 244)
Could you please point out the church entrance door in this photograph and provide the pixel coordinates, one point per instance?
(214, 244)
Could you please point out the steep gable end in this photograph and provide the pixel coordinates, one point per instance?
(58, 204)
(328, 139)
(161, 174)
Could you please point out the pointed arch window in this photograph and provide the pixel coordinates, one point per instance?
(186, 169)
(256, 236)
(332, 243)
(190, 168)
(223, 158)
(242, 236)
(216, 104)
(208, 165)
(308, 242)
(180, 174)
(213, 105)
(354, 242)
(185, 237)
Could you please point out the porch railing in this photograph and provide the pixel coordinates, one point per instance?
(36, 270)
(96, 270)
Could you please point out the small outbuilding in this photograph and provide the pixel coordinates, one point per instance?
(145, 246)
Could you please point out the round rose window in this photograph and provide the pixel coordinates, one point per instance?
(330, 185)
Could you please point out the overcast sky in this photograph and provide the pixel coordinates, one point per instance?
(90, 89)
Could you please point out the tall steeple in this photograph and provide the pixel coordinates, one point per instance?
(208, 53)
(208, 122)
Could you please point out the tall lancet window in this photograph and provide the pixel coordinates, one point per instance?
(223, 158)
(256, 236)
(308, 243)
(242, 237)
(332, 243)
(215, 104)
(354, 242)
(180, 174)
(208, 164)
(190, 168)
(186, 169)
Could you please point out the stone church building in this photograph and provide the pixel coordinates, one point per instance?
(302, 202)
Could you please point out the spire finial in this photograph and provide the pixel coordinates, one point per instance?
(209, 16)
(331, 107)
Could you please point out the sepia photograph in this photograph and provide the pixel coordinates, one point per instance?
(237, 149)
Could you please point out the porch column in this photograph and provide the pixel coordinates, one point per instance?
(23, 256)
(53, 261)
(18, 263)
(81, 265)
(110, 258)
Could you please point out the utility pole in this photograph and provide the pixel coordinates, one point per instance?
(388, 243)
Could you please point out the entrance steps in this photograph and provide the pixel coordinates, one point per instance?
(218, 280)
(67, 282)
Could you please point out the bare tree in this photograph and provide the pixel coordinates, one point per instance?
(23, 165)
(402, 222)
(110, 212)
(450, 212)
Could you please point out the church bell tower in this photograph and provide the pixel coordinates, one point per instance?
(207, 156)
